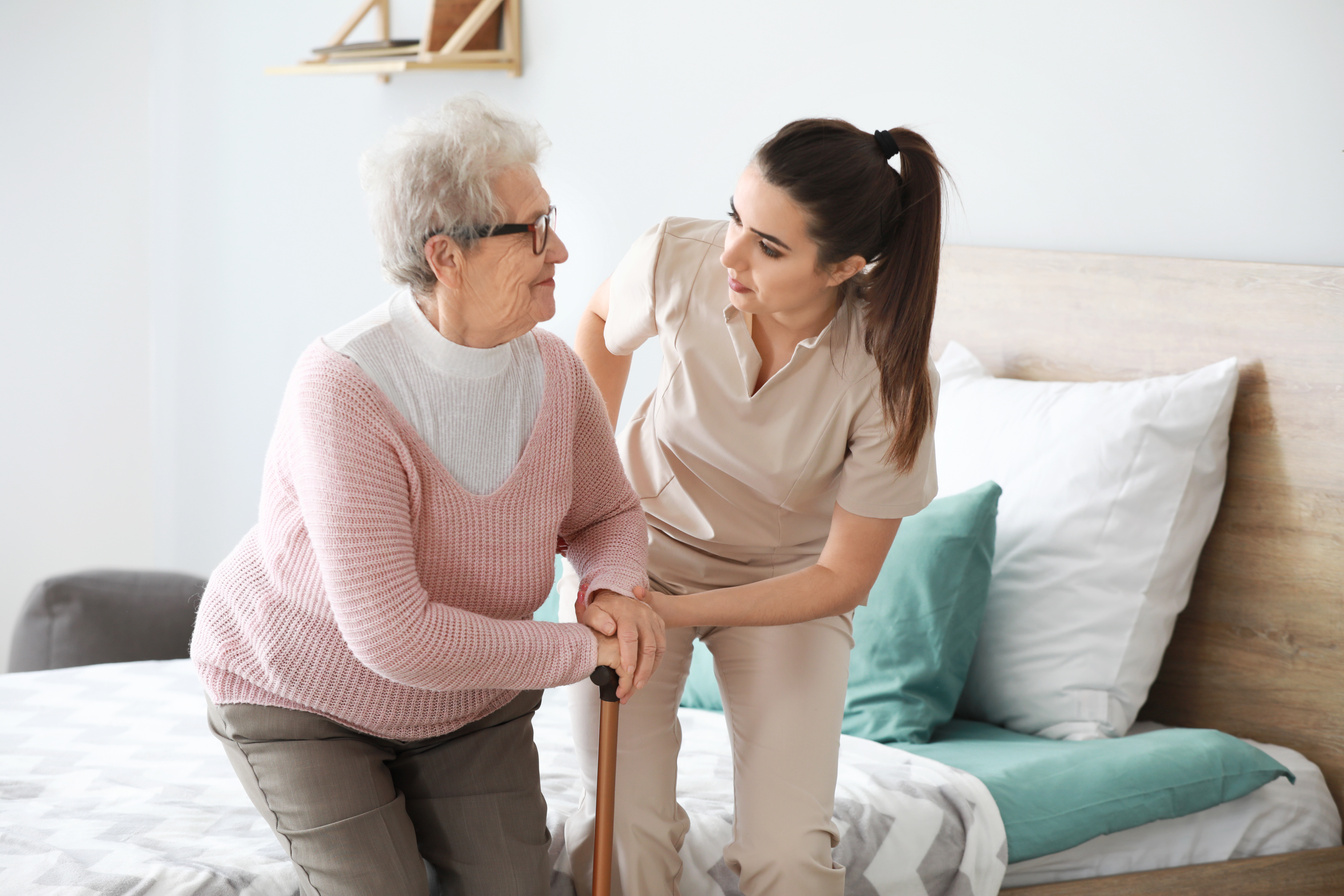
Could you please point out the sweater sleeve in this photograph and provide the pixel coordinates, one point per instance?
(605, 528)
(354, 482)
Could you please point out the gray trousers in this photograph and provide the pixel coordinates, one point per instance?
(356, 812)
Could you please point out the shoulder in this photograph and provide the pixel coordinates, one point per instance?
(675, 244)
(854, 363)
(325, 382)
(688, 243)
(554, 350)
(867, 397)
(320, 363)
(348, 338)
(708, 232)
(558, 358)
(575, 394)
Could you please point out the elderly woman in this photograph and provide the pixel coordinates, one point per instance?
(367, 650)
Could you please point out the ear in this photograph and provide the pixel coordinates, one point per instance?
(845, 269)
(444, 256)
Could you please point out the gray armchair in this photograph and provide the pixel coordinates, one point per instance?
(106, 616)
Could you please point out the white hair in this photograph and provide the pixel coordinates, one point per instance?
(434, 174)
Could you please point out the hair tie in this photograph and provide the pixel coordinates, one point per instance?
(886, 143)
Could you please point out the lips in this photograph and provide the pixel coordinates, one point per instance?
(735, 286)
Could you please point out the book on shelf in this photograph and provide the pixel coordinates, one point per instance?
(371, 48)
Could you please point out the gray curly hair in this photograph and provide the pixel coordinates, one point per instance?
(434, 174)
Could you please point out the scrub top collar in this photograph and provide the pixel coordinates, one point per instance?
(749, 359)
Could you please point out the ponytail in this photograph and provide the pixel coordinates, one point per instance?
(900, 293)
(857, 204)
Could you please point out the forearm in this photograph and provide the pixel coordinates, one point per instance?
(812, 593)
(448, 649)
(838, 582)
(611, 553)
(609, 371)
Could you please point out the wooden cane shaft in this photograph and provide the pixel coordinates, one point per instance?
(606, 798)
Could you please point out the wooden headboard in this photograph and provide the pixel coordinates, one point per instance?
(1259, 651)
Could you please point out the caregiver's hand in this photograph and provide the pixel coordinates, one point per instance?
(637, 629)
(662, 604)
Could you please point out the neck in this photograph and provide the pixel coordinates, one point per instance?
(445, 315)
(793, 326)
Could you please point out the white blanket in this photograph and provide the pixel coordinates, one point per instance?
(111, 783)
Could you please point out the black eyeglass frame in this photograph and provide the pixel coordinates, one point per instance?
(543, 225)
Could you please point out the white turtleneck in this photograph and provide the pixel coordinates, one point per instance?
(474, 407)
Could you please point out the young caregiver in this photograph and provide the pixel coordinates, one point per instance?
(790, 432)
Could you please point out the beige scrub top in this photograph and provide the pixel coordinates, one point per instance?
(739, 487)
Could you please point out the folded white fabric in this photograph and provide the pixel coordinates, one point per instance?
(1280, 817)
(1109, 491)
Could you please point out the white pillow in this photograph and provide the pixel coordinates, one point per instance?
(1109, 491)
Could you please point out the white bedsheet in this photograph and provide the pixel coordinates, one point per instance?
(111, 783)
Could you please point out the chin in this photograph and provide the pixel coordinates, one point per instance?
(543, 306)
(746, 302)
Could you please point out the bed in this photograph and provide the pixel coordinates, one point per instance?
(1259, 650)
(1257, 653)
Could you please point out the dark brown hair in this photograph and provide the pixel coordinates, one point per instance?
(857, 204)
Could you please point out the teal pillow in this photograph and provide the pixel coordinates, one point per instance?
(1055, 794)
(702, 688)
(550, 610)
(914, 640)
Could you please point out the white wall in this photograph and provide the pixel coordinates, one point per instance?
(76, 335)
(1167, 128)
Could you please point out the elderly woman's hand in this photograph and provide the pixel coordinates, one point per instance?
(637, 630)
(609, 654)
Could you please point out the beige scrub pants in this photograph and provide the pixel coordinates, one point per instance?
(783, 691)
(356, 812)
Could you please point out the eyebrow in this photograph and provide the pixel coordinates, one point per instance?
(762, 234)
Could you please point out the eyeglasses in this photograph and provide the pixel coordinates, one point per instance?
(540, 230)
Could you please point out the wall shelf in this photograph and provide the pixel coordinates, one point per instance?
(488, 36)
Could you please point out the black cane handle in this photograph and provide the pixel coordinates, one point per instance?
(606, 680)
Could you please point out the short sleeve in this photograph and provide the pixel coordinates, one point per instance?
(631, 315)
(869, 486)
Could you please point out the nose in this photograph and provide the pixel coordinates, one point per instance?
(734, 257)
(556, 250)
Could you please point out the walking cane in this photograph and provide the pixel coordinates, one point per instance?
(605, 679)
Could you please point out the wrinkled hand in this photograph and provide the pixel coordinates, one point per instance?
(637, 632)
(609, 654)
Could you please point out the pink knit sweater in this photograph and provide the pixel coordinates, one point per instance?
(376, 591)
